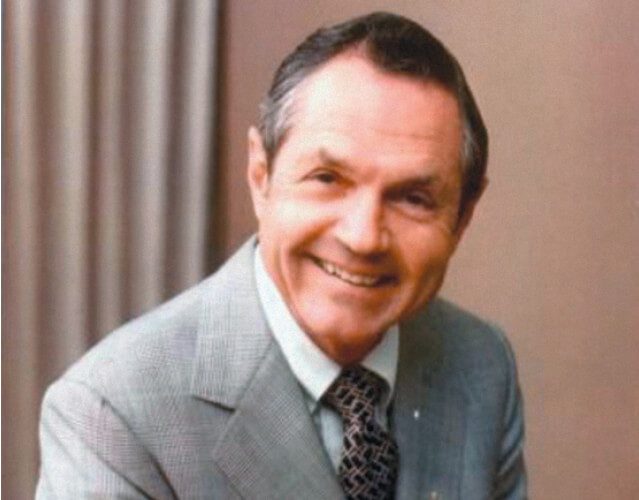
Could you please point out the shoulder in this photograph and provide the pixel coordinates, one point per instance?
(466, 334)
(155, 351)
(105, 424)
(461, 344)
(146, 353)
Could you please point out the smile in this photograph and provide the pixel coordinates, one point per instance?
(362, 280)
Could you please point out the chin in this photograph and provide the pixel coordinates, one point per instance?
(346, 342)
(348, 353)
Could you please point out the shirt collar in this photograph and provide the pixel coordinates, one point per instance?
(314, 370)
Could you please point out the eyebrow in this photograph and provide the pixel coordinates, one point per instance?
(327, 158)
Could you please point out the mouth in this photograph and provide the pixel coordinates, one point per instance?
(355, 279)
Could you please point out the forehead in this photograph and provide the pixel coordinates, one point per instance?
(352, 104)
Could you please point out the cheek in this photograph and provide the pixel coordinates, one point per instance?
(426, 254)
(301, 223)
(427, 267)
(280, 223)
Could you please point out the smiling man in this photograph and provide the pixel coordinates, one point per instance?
(318, 362)
(360, 213)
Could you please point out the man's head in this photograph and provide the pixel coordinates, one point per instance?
(360, 178)
(393, 44)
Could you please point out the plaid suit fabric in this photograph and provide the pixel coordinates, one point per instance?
(368, 468)
(196, 400)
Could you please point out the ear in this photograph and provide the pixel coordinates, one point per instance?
(466, 217)
(257, 171)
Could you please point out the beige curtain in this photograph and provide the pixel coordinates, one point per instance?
(106, 183)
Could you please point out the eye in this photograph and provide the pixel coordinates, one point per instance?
(416, 203)
(325, 182)
(418, 199)
(325, 177)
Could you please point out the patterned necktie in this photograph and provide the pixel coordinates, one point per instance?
(368, 468)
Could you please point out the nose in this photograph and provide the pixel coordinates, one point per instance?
(361, 227)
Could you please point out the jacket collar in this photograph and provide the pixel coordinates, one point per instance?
(232, 337)
(270, 447)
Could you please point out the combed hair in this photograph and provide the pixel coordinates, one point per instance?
(393, 44)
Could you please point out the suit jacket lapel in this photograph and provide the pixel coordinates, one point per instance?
(428, 414)
(270, 447)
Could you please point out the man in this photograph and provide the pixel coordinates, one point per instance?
(317, 362)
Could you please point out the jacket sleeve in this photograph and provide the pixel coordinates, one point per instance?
(511, 481)
(88, 451)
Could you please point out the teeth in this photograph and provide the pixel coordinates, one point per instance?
(353, 279)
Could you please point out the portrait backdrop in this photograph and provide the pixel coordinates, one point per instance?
(118, 191)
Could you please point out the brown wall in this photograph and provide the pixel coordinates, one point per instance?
(553, 253)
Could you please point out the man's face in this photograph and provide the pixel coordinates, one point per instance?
(359, 214)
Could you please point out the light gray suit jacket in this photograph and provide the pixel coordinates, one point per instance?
(195, 400)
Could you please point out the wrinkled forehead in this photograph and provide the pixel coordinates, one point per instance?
(349, 96)
(352, 83)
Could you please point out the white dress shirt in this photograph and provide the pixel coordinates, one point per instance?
(314, 370)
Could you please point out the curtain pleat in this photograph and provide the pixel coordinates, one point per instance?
(61, 129)
(107, 170)
(21, 250)
(192, 133)
(107, 186)
(145, 136)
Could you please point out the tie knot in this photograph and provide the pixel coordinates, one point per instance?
(355, 393)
